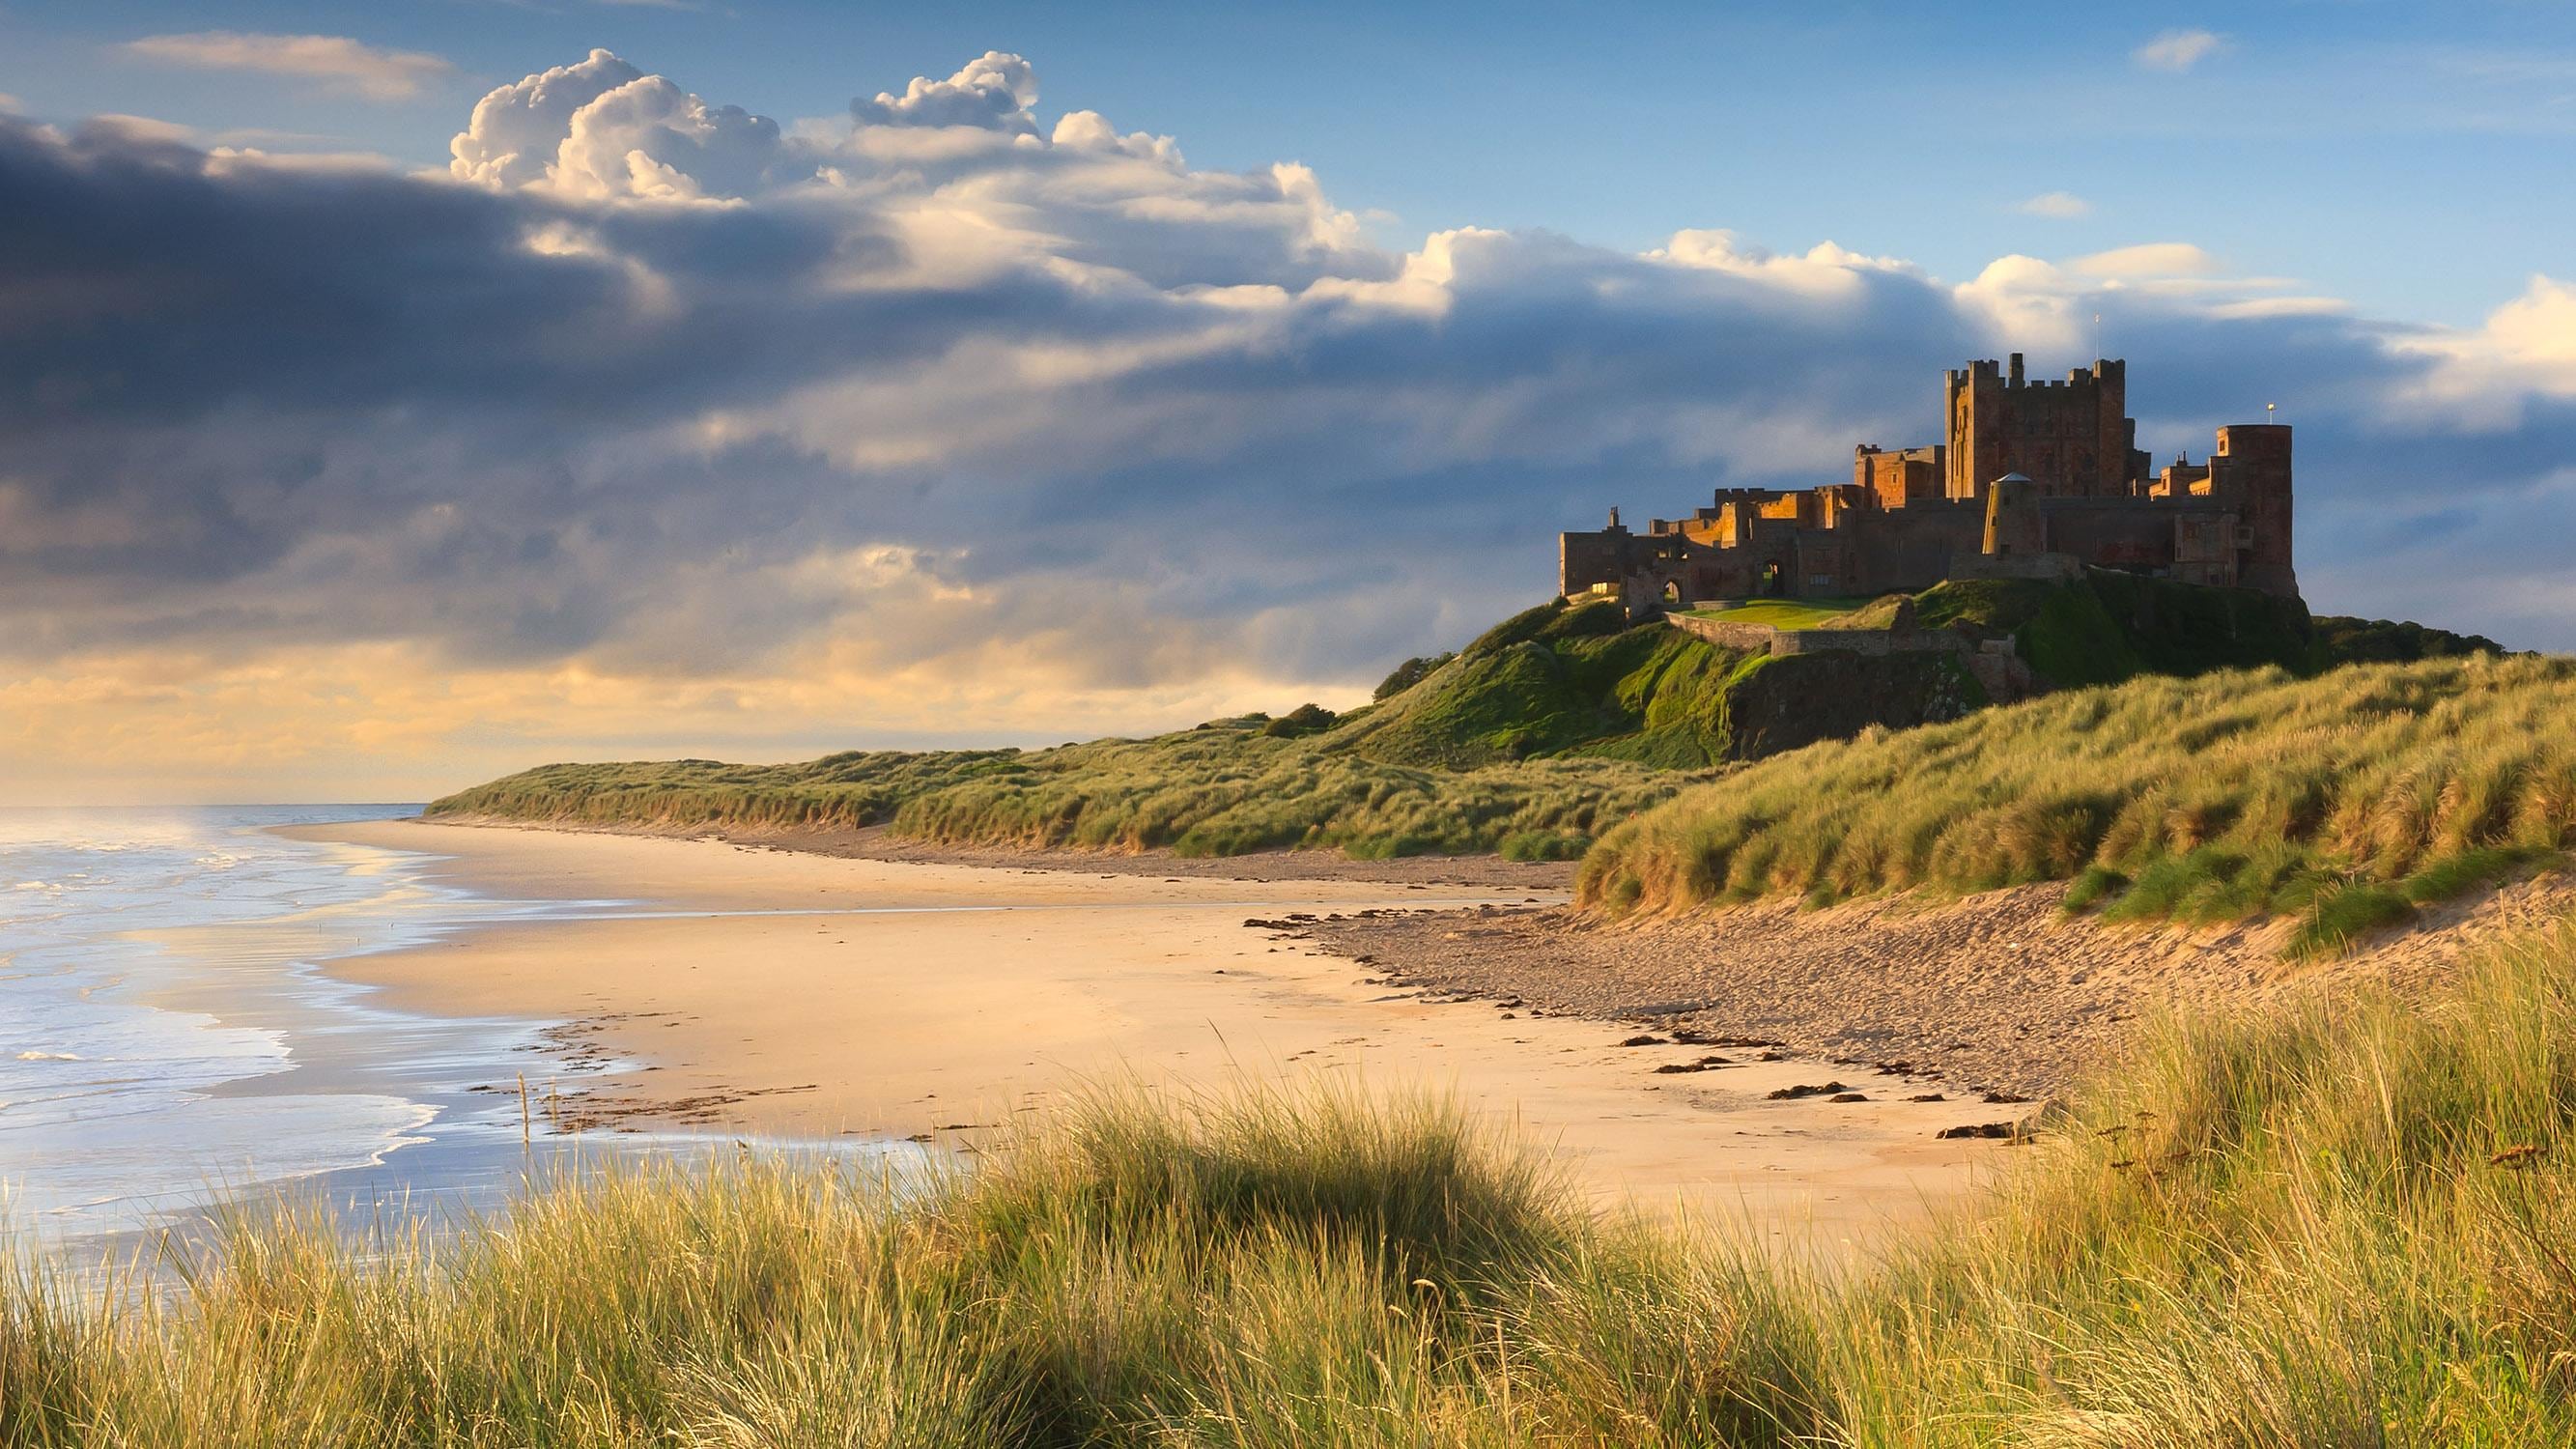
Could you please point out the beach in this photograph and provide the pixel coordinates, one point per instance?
(796, 995)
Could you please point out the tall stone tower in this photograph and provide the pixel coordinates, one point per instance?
(2072, 438)
(2251, 470)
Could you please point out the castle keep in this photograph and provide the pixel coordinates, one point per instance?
(2034, 480)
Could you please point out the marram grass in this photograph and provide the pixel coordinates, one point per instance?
(1225, 789)
(2346, 1221)
(2348, 799)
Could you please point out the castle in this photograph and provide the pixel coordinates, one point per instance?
(2036, 480)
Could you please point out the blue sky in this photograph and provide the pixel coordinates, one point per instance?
(395, 395)
(2417, 159)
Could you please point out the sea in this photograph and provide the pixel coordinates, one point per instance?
(172, 1043)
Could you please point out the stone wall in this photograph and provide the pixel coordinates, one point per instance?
(1780, 643)
(1743, 638)
(1877, 642)
(1995, 664)
(2054, 567)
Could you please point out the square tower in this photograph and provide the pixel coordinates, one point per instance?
(2074, 439)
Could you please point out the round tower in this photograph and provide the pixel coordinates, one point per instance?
(2013, 522)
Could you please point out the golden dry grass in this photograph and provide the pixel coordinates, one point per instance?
(2346, 798)
(2345, 1221)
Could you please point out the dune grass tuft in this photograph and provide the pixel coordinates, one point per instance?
(2343, 1220)
(2346, 799)
(1227, 788)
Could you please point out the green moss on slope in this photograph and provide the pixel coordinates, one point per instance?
(2109, 626)
(1558, 680)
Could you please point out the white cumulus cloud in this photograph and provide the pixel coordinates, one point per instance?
(516, 131)
(2488, 375)
(335, 61)
(994, 91)
(2056, 205)
(649, 138)
(2179, 50)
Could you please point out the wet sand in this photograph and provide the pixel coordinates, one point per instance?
(807, 995)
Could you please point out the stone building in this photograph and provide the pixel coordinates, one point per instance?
(2034, 480)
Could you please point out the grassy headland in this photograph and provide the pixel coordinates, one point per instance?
(2347, 798)
(2340, 1222)
(1553, 725)
(1224, 789)
(1530, 741)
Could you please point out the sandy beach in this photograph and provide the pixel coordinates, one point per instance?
(803, 995)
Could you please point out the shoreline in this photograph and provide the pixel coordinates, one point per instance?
(880, 843)
(816, 995)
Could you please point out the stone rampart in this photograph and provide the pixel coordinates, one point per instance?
(1995, 664)
(1749, 638)
(1766, 639)
(1869, 641)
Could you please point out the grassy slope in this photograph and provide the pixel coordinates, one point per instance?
(1447, 764)
(1450, 766)
(1556, 680)
(1222, 789)
(1781, 613)
(2107, 626)
(2346, 797)
(2341, 1223)
(2344, 640)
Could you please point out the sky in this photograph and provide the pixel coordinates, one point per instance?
(393, 395)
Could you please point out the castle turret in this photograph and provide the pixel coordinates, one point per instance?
(2252, 464)
(2014, 525)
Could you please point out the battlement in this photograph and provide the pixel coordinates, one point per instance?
(2009, 374)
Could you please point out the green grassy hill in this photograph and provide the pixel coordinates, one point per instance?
(1554, 723)
(1580, 681)
(2109, 626)
(1228, 787)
